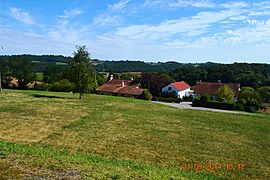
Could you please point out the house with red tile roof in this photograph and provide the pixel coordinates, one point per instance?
(117, 87)
(212, 88)
(180, 89)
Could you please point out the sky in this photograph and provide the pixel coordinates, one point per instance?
(185, 31)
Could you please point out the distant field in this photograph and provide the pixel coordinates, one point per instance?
(46, 134)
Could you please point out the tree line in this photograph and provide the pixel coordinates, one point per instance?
(78, 76)
(58, 72)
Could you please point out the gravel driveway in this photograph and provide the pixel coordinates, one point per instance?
(187, 105)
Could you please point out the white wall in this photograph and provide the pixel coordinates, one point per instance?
(179, 94)
(184, 93)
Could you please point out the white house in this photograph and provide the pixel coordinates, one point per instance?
(180, 89)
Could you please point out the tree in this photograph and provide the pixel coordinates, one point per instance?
(146, 95)
(264, 92)
(225, 93)
(154, 83)
(249, 99)
(83, 74)
(54, 73)
(22, 69)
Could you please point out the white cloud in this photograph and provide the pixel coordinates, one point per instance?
(107, 20)
(195, 25)
(19, 42)
(220, 33)
(193, 3)
(68, 14)
(152, 3)
(255, 22)
(21, 16)
(235, 5)
(71, 13)
(68, 31)
(260, 13)
(118, 6)
(238, 18)
(113, 16)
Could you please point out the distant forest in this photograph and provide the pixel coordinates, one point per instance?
(254, 75)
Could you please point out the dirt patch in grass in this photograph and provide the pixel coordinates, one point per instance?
(15, 167)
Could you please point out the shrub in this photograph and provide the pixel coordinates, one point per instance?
(42, 87)
(250, 100)
(264, 93)
(239, 106)
(214, 105)
(169, 95)
(62, 86)
(146, 95)
(169, 100)
(204, 98)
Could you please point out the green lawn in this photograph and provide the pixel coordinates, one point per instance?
(46, 134)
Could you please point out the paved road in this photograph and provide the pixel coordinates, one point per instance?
(187, 105)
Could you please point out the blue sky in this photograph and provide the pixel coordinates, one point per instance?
(151, 30)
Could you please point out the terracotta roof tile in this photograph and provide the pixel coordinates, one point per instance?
(212, 88)
(116, 86)
(180, 85)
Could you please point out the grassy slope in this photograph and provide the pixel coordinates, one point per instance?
(113, 137)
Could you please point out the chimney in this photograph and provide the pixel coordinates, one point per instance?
(123, 83)
(111, 77)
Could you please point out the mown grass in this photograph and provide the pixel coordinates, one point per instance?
(114, 137)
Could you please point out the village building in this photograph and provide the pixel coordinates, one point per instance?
(117, 87)
(211, 89)
(180, 89)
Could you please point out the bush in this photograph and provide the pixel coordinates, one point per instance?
(146, 95)
(169, 95)
(264, 93)
(62, 86)
(239, 106)
(250, 100)
(42, 87)
(214, 105)
(204, 101)
(205, 98)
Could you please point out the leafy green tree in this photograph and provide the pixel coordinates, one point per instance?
(146, 95)
(225, 93)
(22, 69)
(54, 73)
(264, 93)
(250, 99)
(83, 74)
(154, 83)
(100, 79)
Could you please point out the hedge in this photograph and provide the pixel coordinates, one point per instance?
(214, 105)
(165, 99)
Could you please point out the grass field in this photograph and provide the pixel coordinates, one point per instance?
(46, 134)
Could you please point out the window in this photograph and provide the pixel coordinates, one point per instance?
(170, 88)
